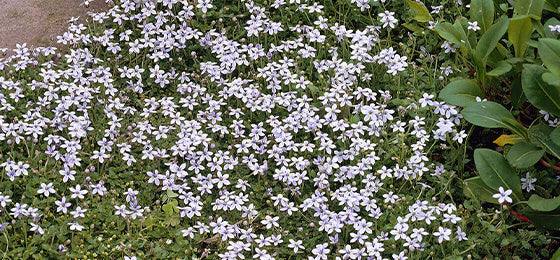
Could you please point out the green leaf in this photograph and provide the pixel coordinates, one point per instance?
(538, 92)
(519, 32)
(487, 114)
(539, 203)
(421, 13)
(496, 172)
(549, 51)
(476, 188)
(482, 11)
(551, 79)
(449, 33)
(490, 39)
(524, 155)
(549, 220)
(532, 8)
(413, 27)
(541, 135)
(172, 194)
(556, 255)
(501, 68)
(555, 136)
(169, 208)
(518, 98)
(462, 92)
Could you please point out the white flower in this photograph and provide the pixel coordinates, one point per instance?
(36, 228)
(527, 182)
(46, 189)
(503, 196)
(442, 234)
(473, 26)
(296, 245)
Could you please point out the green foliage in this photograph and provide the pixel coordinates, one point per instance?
(421, 13)
(538, 92)
(519, 32)
(495, 172)
(538, 203)
(524, 155)
(476, 188)
(461, 92)
(490, 115)
(490, 39)
(482, 11)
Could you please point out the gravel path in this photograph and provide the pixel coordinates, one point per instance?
(38, 22)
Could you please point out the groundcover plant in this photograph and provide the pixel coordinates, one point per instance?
(284, 129)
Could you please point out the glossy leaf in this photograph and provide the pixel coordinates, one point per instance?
(496, 172)
(524, 155)
(482, 11)
(476, 188)
(490, 39)
(462, 92)
(421, 13)
(549, 51)
(539, 203)
(519, 32)
(541, 94)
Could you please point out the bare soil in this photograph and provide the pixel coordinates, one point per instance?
(38, 22)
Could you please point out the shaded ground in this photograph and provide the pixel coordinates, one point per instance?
(38, 22)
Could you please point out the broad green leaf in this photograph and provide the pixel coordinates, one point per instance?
(421, 13)
(449, 33)
(551, 79)
(541, 136)
(487, 114)
(518, 98)
(496, 172)
(532, 8)
(549, 220)
(519, 32)
(515, 127)
(538, 92)
(556, 255)
(490, 38)
(482, 11)
(549, 51)
(524, 155)
(413, 27)
(460, 25)
(539, 203)
(508, 139)
(461, 92)
(502, 67)
(555, 136)
(476, 188)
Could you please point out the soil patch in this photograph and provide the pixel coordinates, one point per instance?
(38, 22)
